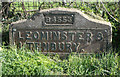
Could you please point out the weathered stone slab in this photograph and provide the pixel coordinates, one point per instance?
(62, 30)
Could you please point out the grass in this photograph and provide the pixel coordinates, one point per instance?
(24, 62)
(0, 69)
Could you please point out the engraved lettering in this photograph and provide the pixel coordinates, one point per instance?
(72, 35)
(50, 35)
(47, 19)
(36, 35)
(68, 46)
(55, 35)
(28, 33)
(44, 35)
(29, 44)
(89, 37)
(54, 19)
(64, 19)
(99, 36)
(61, 46)
(45, 46)
(80, 36)
(59, 19)
(20, 35)
(36, 46)
(59, 39)
(64, 35)
(53, 46)
(76, 45)
(70, 19)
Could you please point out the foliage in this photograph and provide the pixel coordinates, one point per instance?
(90, 65)
(24, 62)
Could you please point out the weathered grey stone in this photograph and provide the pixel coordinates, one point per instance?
(62, 30)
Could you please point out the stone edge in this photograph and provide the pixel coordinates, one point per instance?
(70, 10)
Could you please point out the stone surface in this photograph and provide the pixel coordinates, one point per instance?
(62, 30)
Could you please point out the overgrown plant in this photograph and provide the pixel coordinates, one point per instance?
(24, 62)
